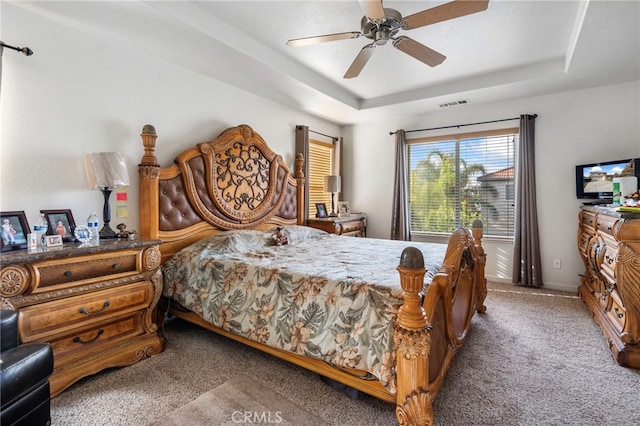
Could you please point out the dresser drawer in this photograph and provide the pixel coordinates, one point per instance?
(40, 322)
(50, 273)
(355, 228)
(83, 343)
(605, 224)
(609, 257)
(617, 313)
(583, 241)
(588, 219)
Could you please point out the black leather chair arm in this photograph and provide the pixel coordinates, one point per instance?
(8, 329)
(24, 377)
(24, 368)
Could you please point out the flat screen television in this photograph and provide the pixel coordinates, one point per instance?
(595, 181)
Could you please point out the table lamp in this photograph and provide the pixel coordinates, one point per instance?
(332, 185)
(106, 171)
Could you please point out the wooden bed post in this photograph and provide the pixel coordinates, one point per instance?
(481, 260)
(412, 336)
(299, 175)
(149, 171)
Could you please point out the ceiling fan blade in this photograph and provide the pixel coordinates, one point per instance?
(323, 38)
(418, 51)
(372, 9)
(454, 9)
(360, 61)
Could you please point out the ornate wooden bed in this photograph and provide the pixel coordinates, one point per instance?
(236, 182)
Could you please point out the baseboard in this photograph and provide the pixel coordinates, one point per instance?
(547, 285)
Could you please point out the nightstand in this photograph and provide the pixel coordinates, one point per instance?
(95, 304)
(354, 225)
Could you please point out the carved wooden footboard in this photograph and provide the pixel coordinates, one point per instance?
(237, 182)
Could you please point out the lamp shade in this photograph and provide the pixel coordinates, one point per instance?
(106, 170)
(332, 183)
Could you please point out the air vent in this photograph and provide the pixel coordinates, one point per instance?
(461, 102)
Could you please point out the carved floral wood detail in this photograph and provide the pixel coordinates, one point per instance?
(14, 280)
(629, 291)
(416, 409)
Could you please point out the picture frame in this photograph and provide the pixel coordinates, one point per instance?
(82, 234)
(15, 229)
(343, 209)
(321, 210)
(53, 240)
(60, 222)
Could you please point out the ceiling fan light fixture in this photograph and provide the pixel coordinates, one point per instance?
(382, 37)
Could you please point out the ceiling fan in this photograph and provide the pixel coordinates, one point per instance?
(382, 24)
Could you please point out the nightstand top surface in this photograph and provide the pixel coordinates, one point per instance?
(72, 249)
(332, 219)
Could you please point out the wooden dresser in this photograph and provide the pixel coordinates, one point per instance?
(93, 303)
(609, 244)
(354, 225)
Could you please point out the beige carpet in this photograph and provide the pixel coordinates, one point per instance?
(535, 358)
(240, 400)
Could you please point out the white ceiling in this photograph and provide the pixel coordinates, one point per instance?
(511, 50)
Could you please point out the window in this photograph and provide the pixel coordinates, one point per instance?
(320, 165)
(456, 179)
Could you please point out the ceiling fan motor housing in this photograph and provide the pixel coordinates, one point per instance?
(380, 31)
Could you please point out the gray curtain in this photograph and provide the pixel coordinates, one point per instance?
(527, 269)
(400, 219)
(302, 147)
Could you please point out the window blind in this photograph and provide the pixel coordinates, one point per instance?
(456, 179)
(320, 165)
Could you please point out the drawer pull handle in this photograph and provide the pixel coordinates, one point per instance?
(68, 274)
(78, 340)
(618, 313)
(87, 313)
(116, 266)
(609, 259)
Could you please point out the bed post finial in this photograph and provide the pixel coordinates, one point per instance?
(412, 337)
(149, 137)
(149, 171)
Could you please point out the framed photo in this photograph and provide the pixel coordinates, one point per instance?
(53, 240)
(14, 230)
(60, 223)
(343, 209)
(82, 234)
(321, 210)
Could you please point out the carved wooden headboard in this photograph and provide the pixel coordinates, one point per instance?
(232, 182)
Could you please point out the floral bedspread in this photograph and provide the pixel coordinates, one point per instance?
(323, 296)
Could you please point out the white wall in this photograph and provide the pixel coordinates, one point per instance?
(79, 94)
(572, 128)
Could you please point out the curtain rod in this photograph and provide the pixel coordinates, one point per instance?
(334, 138)
(462, 125)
